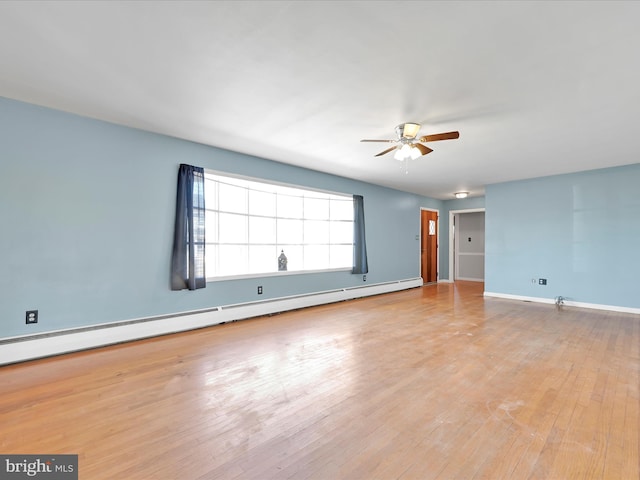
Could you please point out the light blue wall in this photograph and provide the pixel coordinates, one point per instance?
(580, 231)
(87, 212)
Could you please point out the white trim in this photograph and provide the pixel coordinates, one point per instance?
(437, 242)
(270, 181)
(468, 279)
(277, 274)
(452, 275)
(566, 303)
(18, 349)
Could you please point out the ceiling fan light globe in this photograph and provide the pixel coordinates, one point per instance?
(406, 150)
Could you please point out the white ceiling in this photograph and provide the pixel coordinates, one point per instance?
(535, 88)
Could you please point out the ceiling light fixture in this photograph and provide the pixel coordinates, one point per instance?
(408, 130)
(415, 152)
(403, 153)
(407, 152)
(461, 194)
(409, 146)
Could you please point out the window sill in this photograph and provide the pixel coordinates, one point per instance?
(275, 274)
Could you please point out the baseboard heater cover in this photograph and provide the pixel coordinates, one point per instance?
(19, 349)
(566, 303)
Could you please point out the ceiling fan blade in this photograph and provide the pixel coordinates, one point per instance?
(386, 141)
(440, 136)
(423, 148)
(385, 151)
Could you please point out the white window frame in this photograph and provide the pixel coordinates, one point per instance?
(212, 235)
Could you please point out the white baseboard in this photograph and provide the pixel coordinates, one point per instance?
(18, 349)
(566, 303)
(446, 280)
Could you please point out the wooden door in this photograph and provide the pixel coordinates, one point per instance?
(429, 246)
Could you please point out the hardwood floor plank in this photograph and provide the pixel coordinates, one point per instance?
(428, 383)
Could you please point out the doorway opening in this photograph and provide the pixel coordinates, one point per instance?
(466, 245)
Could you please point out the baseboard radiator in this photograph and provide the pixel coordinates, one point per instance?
(19, 349)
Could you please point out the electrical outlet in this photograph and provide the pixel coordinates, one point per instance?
(542, 281)
(364, 278)
(260, 290)
(31, 316)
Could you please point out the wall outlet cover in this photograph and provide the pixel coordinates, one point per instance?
(31, 316)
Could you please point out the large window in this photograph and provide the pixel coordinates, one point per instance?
(249, 224)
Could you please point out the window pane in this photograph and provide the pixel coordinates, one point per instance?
(341, 232)
(233, 260)
(263, 259)
(290, 231)
(232, 198)
(291, 191)
(262, 230)
(248, 223)
(211, 226)
(210, 194)
(341, 256)
(316, 208)
(233, 228)
(211, 259)
(316, 231)
(341, 209)
(262, 203)
(289, 207)
(316, 257)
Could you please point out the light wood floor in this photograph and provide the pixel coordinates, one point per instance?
(433, 382)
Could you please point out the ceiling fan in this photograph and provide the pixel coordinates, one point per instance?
(408, 146)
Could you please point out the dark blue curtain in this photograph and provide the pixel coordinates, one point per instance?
(360, 264)
(187, 261)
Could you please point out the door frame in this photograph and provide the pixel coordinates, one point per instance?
(452, 273)
(419, 238)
